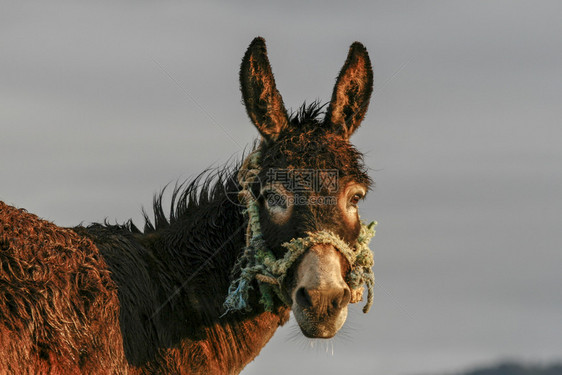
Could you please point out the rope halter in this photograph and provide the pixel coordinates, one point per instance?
(260, 264)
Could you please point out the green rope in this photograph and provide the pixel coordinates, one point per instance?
(259, 263)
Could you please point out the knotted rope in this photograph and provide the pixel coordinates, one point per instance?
(259, 263)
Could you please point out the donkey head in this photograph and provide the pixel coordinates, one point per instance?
(310, 181)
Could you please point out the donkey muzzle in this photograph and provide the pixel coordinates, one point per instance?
(321, 295)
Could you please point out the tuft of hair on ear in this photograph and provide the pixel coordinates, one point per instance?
(263, 101)
(352, 92)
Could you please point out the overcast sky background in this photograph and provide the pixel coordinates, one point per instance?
(102, 104)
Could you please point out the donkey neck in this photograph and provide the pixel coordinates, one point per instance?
(228, 346)
(194, 258)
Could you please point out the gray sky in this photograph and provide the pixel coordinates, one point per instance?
(103, 104)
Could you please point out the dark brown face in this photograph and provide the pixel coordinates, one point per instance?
(311, 180)
(316, 284)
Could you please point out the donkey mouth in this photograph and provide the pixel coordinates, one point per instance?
(319, 326)
(317, 334)
(324, 330)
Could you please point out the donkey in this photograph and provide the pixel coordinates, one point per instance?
(202, 289)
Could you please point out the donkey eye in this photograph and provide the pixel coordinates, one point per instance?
(355, 199)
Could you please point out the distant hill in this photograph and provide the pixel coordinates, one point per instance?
(516, 369)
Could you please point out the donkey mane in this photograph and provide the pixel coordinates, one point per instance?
(209, 187)
(308, 115)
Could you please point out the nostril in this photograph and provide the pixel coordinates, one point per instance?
(342, 299)
(303, 298)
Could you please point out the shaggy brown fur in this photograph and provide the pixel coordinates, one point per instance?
(58, 305)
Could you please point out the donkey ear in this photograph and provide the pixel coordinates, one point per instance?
(352, 92)
(261, 98)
